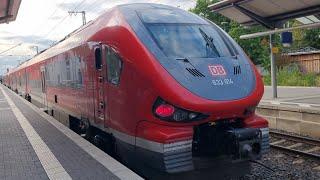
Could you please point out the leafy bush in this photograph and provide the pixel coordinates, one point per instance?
(291, 76)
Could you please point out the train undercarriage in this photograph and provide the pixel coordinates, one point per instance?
(222, 148)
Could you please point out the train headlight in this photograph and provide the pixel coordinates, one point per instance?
(193, 115)
(168, 112)
(164, 110)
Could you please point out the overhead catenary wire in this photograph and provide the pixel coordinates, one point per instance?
(44, 22)
(15, 55)
(63, 19)
(7, 50)
(93, 4)
(85, 8)
(16, 45)
(52, 29)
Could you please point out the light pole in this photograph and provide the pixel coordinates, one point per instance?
(273, 68)
(37, 48)
(84, 21)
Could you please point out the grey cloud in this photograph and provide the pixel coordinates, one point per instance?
(10, 62)
(4, 32)
(55, 17)
(94, 7)
(33, 39)
(86, 6)
(13, 61)
(67, 6)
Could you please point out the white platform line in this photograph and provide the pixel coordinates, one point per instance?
(49, 162)
(115, 167)
(4, 109)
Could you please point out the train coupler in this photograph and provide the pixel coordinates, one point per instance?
(245, 143)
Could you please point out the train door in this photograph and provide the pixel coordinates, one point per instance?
(99, 90)
(43, 86)
(112, 83)
(26, 75)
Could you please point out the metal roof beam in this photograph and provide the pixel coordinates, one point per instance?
(219, 8)
(296, 14)
(263, 21)
(266, 33)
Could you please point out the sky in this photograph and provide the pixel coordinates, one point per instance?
(41, 23)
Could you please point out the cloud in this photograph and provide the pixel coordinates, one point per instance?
(4, 32)
(97, 7)
(10, 62)
(55, 17)
(89, 7)
(33, 39)
(66, 6)
(38, 17)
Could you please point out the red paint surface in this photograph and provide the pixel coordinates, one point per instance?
(128, 107)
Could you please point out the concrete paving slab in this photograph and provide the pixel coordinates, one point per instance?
(78, 158)
(17, 156)
(287, 93)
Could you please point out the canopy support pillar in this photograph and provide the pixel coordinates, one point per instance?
(273, 69)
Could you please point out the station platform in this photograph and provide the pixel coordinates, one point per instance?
(33, 145)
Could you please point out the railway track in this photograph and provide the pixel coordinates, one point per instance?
(296, 144)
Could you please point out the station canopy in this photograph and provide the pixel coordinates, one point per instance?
(9, 10)
(269, 13)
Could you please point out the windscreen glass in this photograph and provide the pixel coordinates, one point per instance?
(190, 40)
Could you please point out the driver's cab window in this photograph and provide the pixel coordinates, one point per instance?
(98, 59)
(114, 66)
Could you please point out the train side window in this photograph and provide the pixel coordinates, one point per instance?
(114, 67)
(98, 59)
(68, 69)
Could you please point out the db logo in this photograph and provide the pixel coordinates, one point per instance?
(217, 70)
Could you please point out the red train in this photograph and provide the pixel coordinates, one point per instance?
(158, 86)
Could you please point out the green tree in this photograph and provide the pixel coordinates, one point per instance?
(257, 51)
(254, 48)
(298, 35)
(203, 10)
(312, 38)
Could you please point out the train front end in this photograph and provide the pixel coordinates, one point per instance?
(207, 92)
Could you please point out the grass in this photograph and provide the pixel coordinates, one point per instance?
(291, 76)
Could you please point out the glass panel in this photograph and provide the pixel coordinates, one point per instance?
(97, 54)
(114, 66)
(189, 40)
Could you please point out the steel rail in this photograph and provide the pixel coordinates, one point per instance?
(292, 137)
(297, 139)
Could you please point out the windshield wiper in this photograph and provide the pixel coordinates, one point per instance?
(182, 59)
(209, 41)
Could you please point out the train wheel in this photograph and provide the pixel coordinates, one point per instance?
(101, 139)
(74, 124)
(27, 97)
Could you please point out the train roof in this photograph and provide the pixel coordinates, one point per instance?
(159, 13)
(148, 13)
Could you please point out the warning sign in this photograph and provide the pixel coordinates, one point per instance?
(275, 50)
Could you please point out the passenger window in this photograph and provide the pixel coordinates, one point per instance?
(114, 67)
(68, 70)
